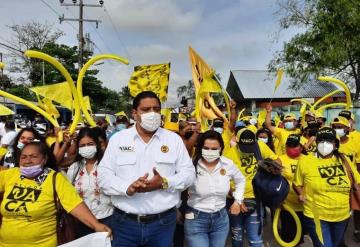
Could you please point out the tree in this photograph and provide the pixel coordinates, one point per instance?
(329, 44)
(31, 35)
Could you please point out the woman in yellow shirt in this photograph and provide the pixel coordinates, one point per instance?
(28, 208)
(294, 150)
(322, 184)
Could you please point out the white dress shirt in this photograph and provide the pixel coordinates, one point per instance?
(208, 194)
(87, 186)
(128, 157)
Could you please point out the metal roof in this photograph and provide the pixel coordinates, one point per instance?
(259, 84)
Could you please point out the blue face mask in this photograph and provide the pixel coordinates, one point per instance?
(289, 125)
(20, 145)
(120, 127)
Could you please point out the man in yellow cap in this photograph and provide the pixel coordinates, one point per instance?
(290, 127)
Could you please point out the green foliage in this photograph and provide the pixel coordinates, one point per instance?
(329, 44)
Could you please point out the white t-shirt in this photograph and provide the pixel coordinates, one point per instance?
(9, 138)
(2, 129)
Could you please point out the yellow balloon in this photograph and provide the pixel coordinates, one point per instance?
(34, 107)
(302, 101)
(81, 77)
(325, 97)
(66, 74)
(341, 84)
(275, 227)
(322, 108)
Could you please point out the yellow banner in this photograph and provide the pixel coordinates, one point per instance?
(4, 111)
(47, 105)
(153, 78)
(279, 77)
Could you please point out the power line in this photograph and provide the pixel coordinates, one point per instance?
(117, 33)
(57, 13)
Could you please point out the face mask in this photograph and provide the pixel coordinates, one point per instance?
(219, 130)
(265, 140)
(150, 121)
(289, 125)
(253, 121)
(210, 155)
(20, 145)
(120, 127)
(88, 152)
(293, 152)
(325, 148)
(340, 132)
(31, 171)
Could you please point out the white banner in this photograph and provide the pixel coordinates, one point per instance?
(98, 239)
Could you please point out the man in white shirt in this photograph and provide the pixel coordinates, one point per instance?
(144, 169)
(9, 137)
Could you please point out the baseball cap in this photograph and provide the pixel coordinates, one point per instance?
(290, 116)
(341, 120)
(326, 134)
(293, 140)
(246, 140)
(346, 114)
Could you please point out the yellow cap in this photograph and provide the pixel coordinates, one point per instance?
(341, 120)
(171, 126)
(290, 116)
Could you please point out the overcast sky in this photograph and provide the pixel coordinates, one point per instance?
(228, 34)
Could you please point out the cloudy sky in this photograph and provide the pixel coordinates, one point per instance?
(228, 34)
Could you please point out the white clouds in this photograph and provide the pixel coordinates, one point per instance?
(152, 15)
(154, 53)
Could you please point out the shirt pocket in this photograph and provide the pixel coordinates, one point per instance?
(125, 167)
(165, 165)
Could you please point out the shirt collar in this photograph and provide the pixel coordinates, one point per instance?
(135, 133)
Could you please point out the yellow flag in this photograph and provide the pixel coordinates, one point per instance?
(47, 105)
(107, 118)
(261, 118)
(166, 112)
(59, 92)
(279, 76)
(153, 78)
(86, 100)
(2, 65)
(4, 111)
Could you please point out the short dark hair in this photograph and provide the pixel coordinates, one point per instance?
(10, 125)
(143, 95)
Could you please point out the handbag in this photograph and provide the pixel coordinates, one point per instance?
(355, 187)
(250, 204)
(65, 223)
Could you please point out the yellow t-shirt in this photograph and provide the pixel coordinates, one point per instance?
(288, 172)
(28, 209)
(351, 149)
(226, 136)
(282, 135)
(247, 164)
(330, 186)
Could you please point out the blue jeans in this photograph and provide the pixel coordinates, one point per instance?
(251, 224)
(130, 233)
(206, 229)
(333, 232)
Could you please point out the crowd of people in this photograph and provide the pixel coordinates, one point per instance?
(156, 183)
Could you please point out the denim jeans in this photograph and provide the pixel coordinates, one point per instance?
(130, 233)
(206, 229)
(251, 224)
(333, 232)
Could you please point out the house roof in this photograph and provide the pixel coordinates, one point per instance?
(259, 84)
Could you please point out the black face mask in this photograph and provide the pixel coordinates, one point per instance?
(188, 134)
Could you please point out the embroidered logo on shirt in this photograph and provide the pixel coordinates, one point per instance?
(126, 148)
(223, 171)
(164, 149)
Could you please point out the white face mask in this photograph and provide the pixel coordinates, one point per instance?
(150, 121)
(340, 132)
(219, 130)
(253, 121)
(289, 125)
(325, 148)
(88, 152)
(210, 155)
(265, 140)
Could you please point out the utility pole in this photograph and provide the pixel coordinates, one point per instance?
(81, 21)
